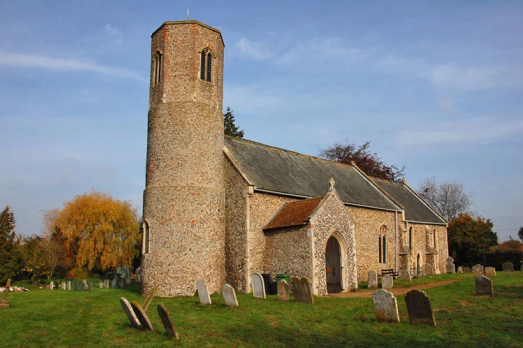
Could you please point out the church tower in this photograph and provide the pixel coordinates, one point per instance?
(183, 204)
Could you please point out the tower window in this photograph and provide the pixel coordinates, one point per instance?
(206, 65)
(145, 227)
(383, 245)
(157, 73)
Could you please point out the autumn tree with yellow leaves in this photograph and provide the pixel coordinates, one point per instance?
(98, 231)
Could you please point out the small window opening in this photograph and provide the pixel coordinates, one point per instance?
(206, 65)
(157, 74)
(410, 239)
(434, 234)
(383, 245)
(145, 237)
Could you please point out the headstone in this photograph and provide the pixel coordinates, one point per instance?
(508, 267)
(428, 270)
(84, 281)
(4, 303)
(490, 272)
(106, 284)
(121, 283)
(385, 306)
(373, 280)
(168, 325)
(68, 285)
(466, 269)
(283, 290)
(63, 286)
(302, 290)
(75, 286)
(101, 285)
(460, 269)
(90, 286)
(484, 285)
(127, 281)
(51, 285)
(148, 299)
(258, 286)
(142, 316)
(387, 282)
(82, 286)
(419, 308)
(133, 319)
(113, 283)
(229, 295)
(478, 270)
(203, 294)
(450, 266)
(405, 275)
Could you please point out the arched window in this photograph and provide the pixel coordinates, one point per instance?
(157, 73)
(383, 245)
(410, 239)
(206, 65)
(146, 236)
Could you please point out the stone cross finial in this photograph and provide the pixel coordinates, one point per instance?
(331, 182)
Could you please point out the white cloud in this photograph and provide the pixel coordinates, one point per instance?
(460, 133)
(58, 64)
(114, 33)
(253, 50)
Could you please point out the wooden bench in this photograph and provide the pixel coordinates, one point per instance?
(389, 271)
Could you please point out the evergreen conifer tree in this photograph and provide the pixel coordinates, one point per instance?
(9, 246)
(229, 125)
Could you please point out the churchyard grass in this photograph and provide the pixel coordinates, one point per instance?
(58, 318)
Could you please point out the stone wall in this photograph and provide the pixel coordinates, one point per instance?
(368, 224)
(288, 251)
(423, 245)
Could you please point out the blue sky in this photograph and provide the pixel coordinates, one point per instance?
(436, 86)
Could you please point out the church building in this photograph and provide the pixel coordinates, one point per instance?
(218, 208)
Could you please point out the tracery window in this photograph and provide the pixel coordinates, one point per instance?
(206, 65)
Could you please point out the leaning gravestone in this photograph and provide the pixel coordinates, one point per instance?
(283, 290)
(148, 299)
(302, 290)
(51, 285)
(4, 303)
(385, 306)
(460, 269)
(168, 325)
(68, 285)
(484, 285)
(133, 319)
(106, 284)
(419, 308)
(490, 272)
(229, 295)
(142, 316)
(478, 270)
(428, 270)
(508, 267)
(387, 282)
(405, 275)
(450, 266)
(203, 294)
(258, 286)
(373, 280)
(75, 286)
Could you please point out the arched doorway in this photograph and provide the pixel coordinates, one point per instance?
(333, 266)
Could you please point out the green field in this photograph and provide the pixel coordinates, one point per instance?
(44, 318)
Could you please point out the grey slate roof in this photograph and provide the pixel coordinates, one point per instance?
(415, 210)
(287, 172)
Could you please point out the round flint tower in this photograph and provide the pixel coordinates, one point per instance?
(183, 206)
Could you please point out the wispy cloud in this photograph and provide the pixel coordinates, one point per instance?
(114, 33)
(253, 50)
(65, 65)
(471, 132)
(322, 50)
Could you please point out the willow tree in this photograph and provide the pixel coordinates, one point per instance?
(102, 231)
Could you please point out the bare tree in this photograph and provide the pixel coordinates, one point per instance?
(52, 256)
(449, 198)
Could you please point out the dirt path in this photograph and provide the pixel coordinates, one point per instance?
(396, 292)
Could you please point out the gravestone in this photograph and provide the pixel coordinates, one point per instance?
(478, 270)
(121, 283)
(84, 281)
(258, 286)
(484, 285)
(101, 285)
(113, 283)
(90, 286)
(373, 280)
(106, 284)
(283, 290)
(460, 269)
(466, 269)
(203, 294)
(168, 325)
(302, 290)
(75, 286)
(387, 282)
(385, 306)
(133, 319)
(450, 266)
(63, 286)
(82, 286)
(142, 316)
(229, 295)
(428, 270)
(148, 299)
(68, 285)
(508, 267)
(405, 275)
(490, 272)
(51, 285)
(4, 303)
(419, 308)
(127, 281)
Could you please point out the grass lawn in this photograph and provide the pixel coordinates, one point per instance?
(44, 318)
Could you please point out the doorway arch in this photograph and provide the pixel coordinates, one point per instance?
(333, 265)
